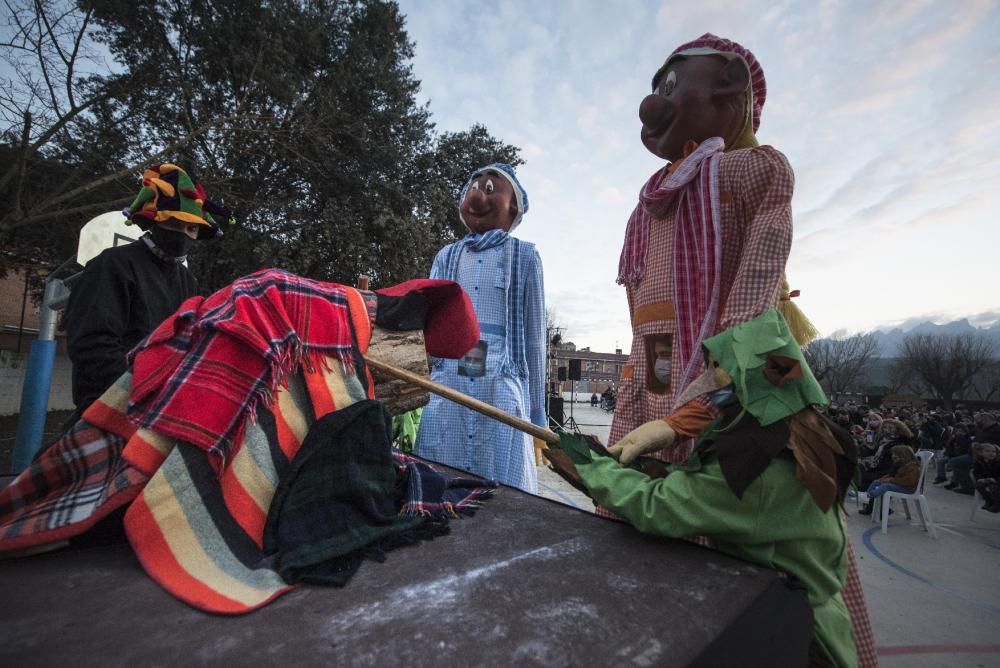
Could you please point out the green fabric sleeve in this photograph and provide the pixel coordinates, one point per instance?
(682, 504)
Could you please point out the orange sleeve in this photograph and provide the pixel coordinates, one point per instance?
(690, 419)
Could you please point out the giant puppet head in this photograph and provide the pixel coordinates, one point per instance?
(711, 87)
(493, 199)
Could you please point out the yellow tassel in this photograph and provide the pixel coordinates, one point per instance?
(800, 326)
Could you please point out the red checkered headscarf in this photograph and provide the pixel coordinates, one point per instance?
(709, 43)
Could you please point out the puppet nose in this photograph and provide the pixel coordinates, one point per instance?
(655, 112)
(476, 201)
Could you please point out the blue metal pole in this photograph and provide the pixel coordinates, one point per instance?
(34, 403)
(38, 377)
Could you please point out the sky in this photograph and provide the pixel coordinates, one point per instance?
(888, 112)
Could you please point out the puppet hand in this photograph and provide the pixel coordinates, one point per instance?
(650, 437)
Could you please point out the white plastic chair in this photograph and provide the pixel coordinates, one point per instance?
(917, 496)
(977, 501)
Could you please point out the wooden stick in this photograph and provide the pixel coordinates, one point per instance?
(465, 400)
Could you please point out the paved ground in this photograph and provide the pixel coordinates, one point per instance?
(933, 603)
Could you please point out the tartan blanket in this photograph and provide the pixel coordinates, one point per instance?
(76, 482)
(340, 501)
(205, 369)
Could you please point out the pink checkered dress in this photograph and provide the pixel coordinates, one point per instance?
(755, 234)
(755, 195)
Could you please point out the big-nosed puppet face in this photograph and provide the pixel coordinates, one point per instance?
(694, 99)
(489, 203)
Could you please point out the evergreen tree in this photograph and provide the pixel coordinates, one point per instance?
(300, 116)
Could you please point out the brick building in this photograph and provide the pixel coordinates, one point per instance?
(18, 328)
(598, 371)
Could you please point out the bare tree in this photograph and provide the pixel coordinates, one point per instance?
(840, 364)
(48, 47)
(947, 364)
(987, 382)
(901, 377)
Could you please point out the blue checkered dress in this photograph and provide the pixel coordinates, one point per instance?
(465, 439)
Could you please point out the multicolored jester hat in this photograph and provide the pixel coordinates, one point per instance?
(169, 192)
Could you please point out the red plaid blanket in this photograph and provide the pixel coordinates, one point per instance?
(202, 372)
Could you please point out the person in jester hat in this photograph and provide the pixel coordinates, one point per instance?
(126, 291)
(506, 368)
(765, 480)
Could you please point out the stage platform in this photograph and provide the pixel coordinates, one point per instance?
(526, 582)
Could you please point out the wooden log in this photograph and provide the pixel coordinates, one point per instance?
(404, 350)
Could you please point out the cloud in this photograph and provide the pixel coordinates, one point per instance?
(985, 319)
(595, 314)
(956, 212)
(982, 320)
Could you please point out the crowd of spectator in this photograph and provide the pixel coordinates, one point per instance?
(966, 443)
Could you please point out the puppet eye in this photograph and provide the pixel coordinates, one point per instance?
(669, 81)
(489, 186)
(474, 186)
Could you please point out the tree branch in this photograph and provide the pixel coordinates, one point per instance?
(8, 224)
(48, 134)
(25, 137)
(103, 206)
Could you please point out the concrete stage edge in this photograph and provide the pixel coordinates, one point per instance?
(525, 582)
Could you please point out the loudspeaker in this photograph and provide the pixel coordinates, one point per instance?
(556, 409)
(562, 373)
(575, 369)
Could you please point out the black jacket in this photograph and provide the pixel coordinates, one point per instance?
(124, 293)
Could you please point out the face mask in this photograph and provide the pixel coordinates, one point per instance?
(175, 244)
(661, 369)
(723, 396)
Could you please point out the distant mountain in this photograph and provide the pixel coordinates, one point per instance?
(892, 340)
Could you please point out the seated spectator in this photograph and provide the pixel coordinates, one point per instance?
(904, 477)
(945, 437)
(959, 459)
(987, 427)
(986, 471)
(878, 463)
(874, 422)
